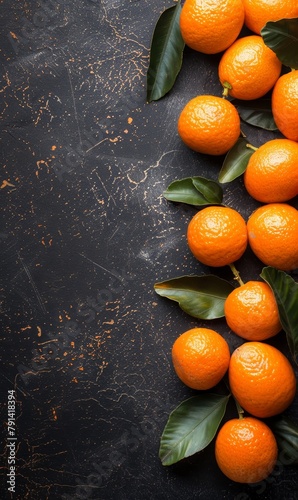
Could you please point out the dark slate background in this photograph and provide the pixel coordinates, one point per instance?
(85, 233)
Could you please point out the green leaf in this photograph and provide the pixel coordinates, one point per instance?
(286, 294)
(257, 113)
(191, 427)
(282, 37)
(166, 54)
(286, 433)
(200, 296)
(194, 191)
(236, 161)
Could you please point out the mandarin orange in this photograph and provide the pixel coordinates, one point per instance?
(200, 358)
(246, 450)
(273, 235)
(259, 12)
(261, 379)
(285, 104)
(272, 175)
(251, 311)
(249, 69)
(209, 124)
(217, 236)
(210, 27)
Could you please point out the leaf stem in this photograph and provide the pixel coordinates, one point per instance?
(236, 274)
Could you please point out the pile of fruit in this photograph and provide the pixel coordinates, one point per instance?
(260, 377)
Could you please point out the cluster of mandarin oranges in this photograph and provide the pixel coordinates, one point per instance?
(261, 378)
(262, 381)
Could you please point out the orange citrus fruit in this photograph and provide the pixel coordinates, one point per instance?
(273, 235)
(217, 236)
(285, 104)
(249, 69)
(210, 27)
(246, 450)
(209, 124)
(261, 379)
(251, 311)
(200, 358)
(259, 12)
(271, 175)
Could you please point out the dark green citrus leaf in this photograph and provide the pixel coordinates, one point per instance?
(282, 37)
(200, 296)
(286, 433)
(236, 161)
(286, 294)
(194, 191)
(257, 113)
(166, 54)
(191, 427)
(211, 191)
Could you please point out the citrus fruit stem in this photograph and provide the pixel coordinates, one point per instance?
(226, 88)
(250, 146)
(239, 409)
(225, 92)
(236, 274)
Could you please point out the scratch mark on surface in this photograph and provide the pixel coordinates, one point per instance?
(113, 234)
(162, 156)
(97, 144)
(156, 165)
(93, 190)
(32, 283)
(103, 268)
(109, 195)
(12, 383)
(74, 104)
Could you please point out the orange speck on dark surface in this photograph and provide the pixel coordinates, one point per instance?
(26, 328)
(54, 414)
(6, 184)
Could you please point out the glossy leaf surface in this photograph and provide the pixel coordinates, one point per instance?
(236, 161)
(257, 113)
(286, 433)
(194, 191)
(286, 294)
(199, 296)
(282, 37)
(191, 427)
(166, 54)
